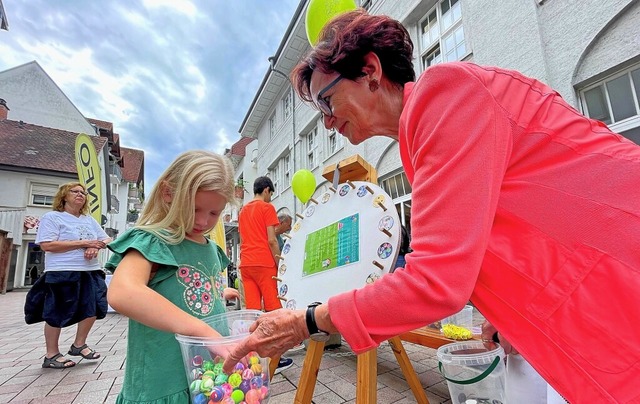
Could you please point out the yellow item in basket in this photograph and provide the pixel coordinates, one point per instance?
(456, 332)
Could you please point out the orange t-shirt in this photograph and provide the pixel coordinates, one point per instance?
(253, 220)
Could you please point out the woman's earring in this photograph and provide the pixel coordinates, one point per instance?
(373, 85)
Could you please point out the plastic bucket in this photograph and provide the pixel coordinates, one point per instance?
(474, 373)
(249, 382)
(463, 318)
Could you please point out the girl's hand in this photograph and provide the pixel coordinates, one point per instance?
(230, 294)
(91, 253)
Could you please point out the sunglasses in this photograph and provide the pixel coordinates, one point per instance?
(75, 191)
(323, 102)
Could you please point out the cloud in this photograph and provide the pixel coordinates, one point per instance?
(171, 75)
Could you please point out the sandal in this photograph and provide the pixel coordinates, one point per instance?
(77, 351)
(54, 363)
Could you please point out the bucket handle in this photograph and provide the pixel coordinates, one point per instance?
(475, 379)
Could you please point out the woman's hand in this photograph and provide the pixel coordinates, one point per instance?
(488, 332)
(94, 244)
(91, 253)
(271, 335)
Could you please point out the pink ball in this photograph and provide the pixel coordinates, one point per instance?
(247, 374)
(252, 397)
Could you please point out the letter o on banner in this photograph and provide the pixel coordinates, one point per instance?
(89, 173)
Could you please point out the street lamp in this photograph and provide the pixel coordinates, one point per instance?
(272, 67)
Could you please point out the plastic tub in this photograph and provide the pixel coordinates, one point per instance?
(463, 318)
(474, 373)
(249, 382)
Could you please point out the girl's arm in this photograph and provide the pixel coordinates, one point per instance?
(129, 294)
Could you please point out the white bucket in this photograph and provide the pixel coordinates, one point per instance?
(474, 373)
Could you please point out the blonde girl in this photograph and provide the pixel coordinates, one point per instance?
(168, 274)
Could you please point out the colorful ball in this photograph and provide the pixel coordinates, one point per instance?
(252, 397)
(227, 389)
(247, 374)
(200, 399)
(263, 392)
(217, 369)
(245, 386)
(256, 382)
(195, 386)
(217, 394)
(256, 368)
(206, 385)
(237, 396)
(196, 374)
(235, 379)
(238, 368)
(254, 360)
(221, 379)
(196, 360)
(207, 365)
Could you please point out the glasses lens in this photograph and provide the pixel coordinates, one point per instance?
(78, 192)
(324, 107)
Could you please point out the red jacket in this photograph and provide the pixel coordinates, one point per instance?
(530, 210)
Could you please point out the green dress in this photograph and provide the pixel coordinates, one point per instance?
(190, 276)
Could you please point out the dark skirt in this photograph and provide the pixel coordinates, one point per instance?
(64, 298)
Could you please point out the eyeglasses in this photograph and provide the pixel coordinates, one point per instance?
(323, 102)
(75, 191)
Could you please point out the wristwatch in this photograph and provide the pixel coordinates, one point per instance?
(315, 333)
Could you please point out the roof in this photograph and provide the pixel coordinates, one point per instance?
(239, 148)
(133, 170)
(101, 124)
(31, 146)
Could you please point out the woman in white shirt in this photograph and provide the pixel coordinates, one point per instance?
(72, 289)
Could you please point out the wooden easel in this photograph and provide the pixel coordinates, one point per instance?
(355, 168)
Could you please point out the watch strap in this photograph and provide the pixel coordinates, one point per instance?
(310, 318)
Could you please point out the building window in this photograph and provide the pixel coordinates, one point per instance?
(442, 35)
(396, 185)
(334, 142)
(274, 174)
(616, 102)
(366, 4)
(272, 126)
(287, 105)
(42, 194)
(312, 149)
(285, 169)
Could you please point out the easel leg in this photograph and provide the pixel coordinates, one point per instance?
(273, 365)
(366, 387)
(309, 374)
(408, 371)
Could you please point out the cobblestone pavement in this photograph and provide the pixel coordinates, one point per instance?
(23, 380)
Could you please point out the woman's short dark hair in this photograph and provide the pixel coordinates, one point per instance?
(347, 39)
(261, 183)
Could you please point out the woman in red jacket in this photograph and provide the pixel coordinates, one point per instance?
(520, 204)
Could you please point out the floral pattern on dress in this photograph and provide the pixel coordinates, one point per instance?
(199, 294)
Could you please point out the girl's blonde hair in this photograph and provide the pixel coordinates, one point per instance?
(192, 171)
(63, 191)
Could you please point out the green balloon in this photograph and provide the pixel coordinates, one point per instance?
(303, 184)
(320, 12)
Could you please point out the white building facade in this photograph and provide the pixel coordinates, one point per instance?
(588, 50)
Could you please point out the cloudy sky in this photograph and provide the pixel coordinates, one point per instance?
(171, 75)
